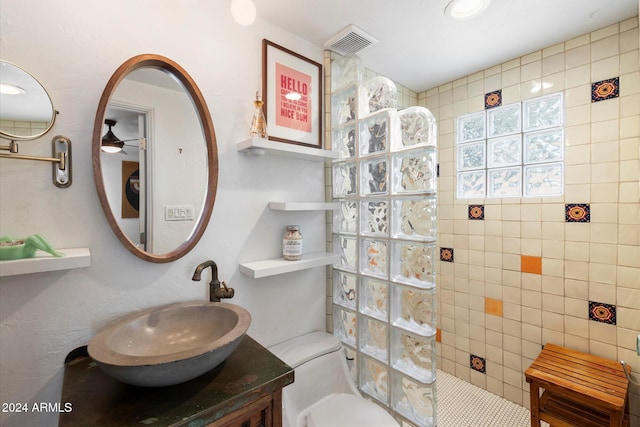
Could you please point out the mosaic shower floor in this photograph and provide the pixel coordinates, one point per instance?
(461, 404)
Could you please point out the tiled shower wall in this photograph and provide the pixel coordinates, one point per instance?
(523, 276)
(25, 128)
(518, 273)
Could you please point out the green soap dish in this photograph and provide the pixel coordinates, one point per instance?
(11, 248)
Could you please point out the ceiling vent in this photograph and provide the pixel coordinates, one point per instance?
(350, 40)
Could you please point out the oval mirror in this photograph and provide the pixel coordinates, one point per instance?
(157, 178)
(26, 110)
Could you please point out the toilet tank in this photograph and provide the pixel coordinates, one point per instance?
(320, 370)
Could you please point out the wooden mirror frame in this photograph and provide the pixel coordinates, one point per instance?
(159, 62)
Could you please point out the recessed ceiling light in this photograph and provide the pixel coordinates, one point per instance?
(9, 89)
(465, 9)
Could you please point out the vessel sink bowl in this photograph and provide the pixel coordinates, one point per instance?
(169, 344)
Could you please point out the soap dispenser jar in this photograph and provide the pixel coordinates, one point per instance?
(292, 243)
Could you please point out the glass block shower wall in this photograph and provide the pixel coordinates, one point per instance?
(384, 230)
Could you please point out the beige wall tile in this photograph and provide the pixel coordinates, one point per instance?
(576, 289)
(602, 292)
(582, 40)
(605, 68)
(628, 318)
(552, 322)
(629, 256)
(576, 326)
(605, 350)
(602, 332)
(576, 307)
(605, 48)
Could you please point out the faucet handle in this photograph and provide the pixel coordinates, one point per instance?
(227, 292)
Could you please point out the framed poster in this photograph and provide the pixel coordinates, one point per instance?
(130, 189)
(292, 94)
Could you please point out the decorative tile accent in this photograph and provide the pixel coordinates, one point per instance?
(446, 254)
(438, 335)
(493, 99)
(605, 89)
(476, 212)
(531, 264)
(577, 212)
(601, 312)
(493, 306)
(477, 363)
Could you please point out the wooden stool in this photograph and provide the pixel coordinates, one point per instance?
(579, 389)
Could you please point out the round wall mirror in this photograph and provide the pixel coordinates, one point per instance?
(26, 110)
(155, 158)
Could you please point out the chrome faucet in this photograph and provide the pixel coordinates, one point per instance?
(217, 289)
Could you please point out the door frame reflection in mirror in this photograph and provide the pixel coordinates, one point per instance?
(138, 123)
(164, 64)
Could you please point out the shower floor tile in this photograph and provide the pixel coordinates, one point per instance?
(461, 404)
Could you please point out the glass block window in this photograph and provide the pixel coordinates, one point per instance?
(516, 150)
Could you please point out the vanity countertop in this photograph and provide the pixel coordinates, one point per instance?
(95, 399)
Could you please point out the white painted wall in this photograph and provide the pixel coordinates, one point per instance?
(73, 47)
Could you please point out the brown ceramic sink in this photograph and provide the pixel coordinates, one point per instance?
(169, 344)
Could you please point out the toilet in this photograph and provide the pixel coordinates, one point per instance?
(323, 393)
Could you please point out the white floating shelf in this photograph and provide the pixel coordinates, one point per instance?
(260, 146)
(271, 267)
(302, 206)
(73, 258)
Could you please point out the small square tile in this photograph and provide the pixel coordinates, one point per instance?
(476, 212)
(577, 212)
(446, 254)
(531, 264)
(478, 363)
(493, 306)
(493, 99)
(601, 312)
(605, 89)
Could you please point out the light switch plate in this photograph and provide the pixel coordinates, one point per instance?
(178, 213)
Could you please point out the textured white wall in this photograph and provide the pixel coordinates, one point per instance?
(73, 47)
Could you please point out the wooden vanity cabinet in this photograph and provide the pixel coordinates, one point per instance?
(244, 391)
(261, 413)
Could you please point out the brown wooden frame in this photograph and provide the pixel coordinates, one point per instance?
(316, 116)
(157, 61)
